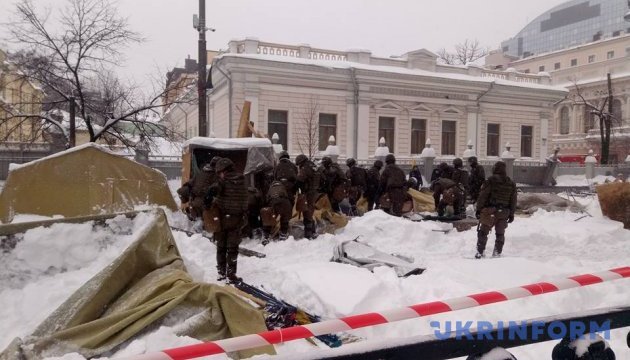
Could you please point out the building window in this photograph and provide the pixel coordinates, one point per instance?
(386, 129)
(492, 148)
(448, 137)
(418, 135)
(616, 112)
(591, 59)
(278, 124)
(327, 128)
(541, 68)
(526, 71)
(589, 120)
(527, 133)
(564, 120)
(573, 62)
(610, 55)
(556, 66)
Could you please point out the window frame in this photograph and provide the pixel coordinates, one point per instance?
(531, 141)
(444, 141)
(494, 153)
(284, 140)
(390, 143)
(324, 145)
(421, 146)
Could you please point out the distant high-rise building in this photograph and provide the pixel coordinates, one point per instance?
(573, 23)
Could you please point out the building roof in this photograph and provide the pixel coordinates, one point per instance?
(228, 143)
(330, 64)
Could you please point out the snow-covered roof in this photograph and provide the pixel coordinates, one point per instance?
(330, 64)
(79, 123)
(228, 143)
(14, 166)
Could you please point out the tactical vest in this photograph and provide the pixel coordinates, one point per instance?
(233, 198)
(277, 190)
(358, 176)
(285, 170)
(396, 178)
(501, 191)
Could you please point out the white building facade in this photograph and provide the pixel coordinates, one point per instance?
(360, 98)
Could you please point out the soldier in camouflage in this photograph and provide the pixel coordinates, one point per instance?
(495, 208)
(286, 172)
(230, 195)
(279, 201)
(194, 191)
(373, 184)
(393, 181)
(476, 179)
(308, 182)
(358, 182)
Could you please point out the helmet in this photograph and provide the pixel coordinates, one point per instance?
(326, 161)
(413, 182)
(224, 164)
(499, 168)
(443, 166)
(283, 155)
(390, 159)
(378, 164)
(458, 163)
(210, 165)
(301, 159)
(351, 162)
(472, 160)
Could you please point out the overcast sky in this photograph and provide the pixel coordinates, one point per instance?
(386, 27)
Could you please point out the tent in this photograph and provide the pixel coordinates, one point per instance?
(85, 180)
(134, 294)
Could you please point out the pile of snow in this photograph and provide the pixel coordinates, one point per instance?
(544, 246)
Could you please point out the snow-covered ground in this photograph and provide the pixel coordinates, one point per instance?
(543, 246)
(581, 180)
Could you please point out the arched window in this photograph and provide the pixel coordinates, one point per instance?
(616, 112)
(564, 120)
(589, 119)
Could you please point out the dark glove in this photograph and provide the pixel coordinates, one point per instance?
(478, 214)
(510, 218)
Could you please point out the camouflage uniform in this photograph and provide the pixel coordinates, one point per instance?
(308, 181)
(495, 208)
(460, 177)
(194, 191)
(230, 195)
(476, 179)
(447, 192)
(334, 182)
(393, 181)
(373, 183)
(286, 172)
(358, 182)
(278, 200)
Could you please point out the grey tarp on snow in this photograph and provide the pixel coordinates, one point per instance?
(363, 255)
(146, 286)
(529, 203)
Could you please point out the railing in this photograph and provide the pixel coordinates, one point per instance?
(254, 46)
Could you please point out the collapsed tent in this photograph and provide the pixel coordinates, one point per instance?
(133, 296)
(85, 180)
(363, 255)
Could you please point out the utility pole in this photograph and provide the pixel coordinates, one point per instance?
(201, 81)
(72, 135)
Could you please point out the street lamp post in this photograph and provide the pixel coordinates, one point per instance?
(199, 23)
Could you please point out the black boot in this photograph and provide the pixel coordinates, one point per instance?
(232, 257)
(482, 239)
(221, 263)
(498, 245)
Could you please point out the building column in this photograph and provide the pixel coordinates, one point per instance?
(472, 132)
(544, 142)
(349, 140)
(363, 130)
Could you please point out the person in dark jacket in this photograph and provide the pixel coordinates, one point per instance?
(460, 177)
(415, 173)
(393, 181)
(495, 208)
(194, 191)
(263, 177)
(230, 195)
(476, 179)
(442, 170)
(334, 182)
(308, 182)
(447, 193)
(278, 200)
(358, 183)
(286, 172)
(373, 182)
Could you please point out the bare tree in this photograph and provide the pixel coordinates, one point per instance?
(465, 52)
(308, 134)
(72, 54)
(604, 113)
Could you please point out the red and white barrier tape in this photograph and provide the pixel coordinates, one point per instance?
(387, 316)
